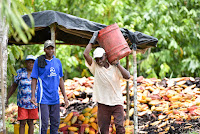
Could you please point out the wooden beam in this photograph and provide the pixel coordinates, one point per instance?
(79, 33)
(80, 45)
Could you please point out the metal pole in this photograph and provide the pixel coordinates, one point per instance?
(127, 91)
(53, 35)
(135, 93)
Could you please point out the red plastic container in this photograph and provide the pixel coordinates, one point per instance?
(114, 43)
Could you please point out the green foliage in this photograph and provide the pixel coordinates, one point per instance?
(71, 59)
(174, 23)
(12, 12)
(14, 53)
(17, 27)
(9, 126)
(192, 132)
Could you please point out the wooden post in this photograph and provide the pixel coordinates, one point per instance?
(53, 35)
(135, 93)
(127, 91)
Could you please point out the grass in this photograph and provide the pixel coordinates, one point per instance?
(9, 127)
(193, 133)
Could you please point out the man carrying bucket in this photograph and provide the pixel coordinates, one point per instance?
(107, 90)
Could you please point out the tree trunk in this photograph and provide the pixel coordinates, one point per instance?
(3, 70)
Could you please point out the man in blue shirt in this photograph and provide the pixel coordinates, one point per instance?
(47, 78)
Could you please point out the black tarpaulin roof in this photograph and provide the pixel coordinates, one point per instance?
(73, 30)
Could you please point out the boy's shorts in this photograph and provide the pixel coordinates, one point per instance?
(24, 114)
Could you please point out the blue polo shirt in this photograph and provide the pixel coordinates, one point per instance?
(48, 81)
